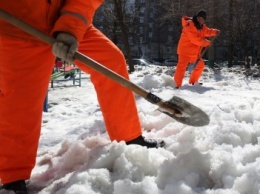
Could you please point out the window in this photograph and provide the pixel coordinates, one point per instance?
(141, 20)
(142, 10)
(141, 30)
(131, 42)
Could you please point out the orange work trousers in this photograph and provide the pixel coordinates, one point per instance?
(25, 70)
(182, 65)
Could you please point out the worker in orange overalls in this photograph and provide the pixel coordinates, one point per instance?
(25, 69)
(192, 40)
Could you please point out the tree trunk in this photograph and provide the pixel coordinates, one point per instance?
(230, 27)
(120, 17)
(211, 51)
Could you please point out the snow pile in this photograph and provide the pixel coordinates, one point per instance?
(75, 155)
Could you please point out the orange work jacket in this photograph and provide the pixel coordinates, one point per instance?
(49, 16)
(192, 40)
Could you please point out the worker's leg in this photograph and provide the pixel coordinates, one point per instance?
(116, 102)
(180, 70)
(196, 73)
(25, 70)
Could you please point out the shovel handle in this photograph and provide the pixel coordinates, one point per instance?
(203, 52)
(168, 107)
(26, 27)
(80, 57)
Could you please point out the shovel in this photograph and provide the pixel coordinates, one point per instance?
(202, 54)
(176, 107)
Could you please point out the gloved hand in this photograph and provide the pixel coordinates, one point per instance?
(218, 32)
(65, 46)
(206, 43)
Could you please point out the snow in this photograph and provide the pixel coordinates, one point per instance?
(75, 155)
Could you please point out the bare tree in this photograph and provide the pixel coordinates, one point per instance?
(121, 20)
(238, 21)
(116, 22)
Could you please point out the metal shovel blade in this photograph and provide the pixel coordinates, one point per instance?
(185, 112)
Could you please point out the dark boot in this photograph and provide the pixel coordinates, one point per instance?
(197, 84)
(149, 143)
(19, 187)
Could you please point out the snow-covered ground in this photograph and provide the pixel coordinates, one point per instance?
(75, 155)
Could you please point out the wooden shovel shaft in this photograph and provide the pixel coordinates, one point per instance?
(84, 59)
(203, 52)
(173, 108)
(111, 74)
(26, 27)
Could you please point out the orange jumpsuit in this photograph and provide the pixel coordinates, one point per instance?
(190, 44)
(25, 69)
